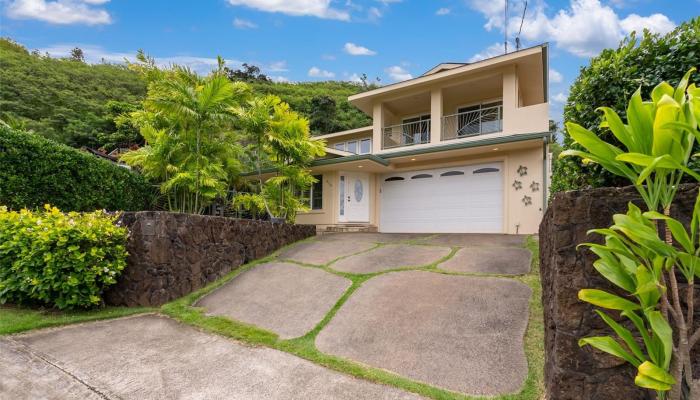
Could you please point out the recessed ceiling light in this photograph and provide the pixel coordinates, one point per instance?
(359, 166)
(495, 148)
(413, 159)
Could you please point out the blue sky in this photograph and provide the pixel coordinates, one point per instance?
(307, 40)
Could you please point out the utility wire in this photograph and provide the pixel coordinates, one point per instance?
(505, 28)
(517, 38)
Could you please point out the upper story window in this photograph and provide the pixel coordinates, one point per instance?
(357, 146)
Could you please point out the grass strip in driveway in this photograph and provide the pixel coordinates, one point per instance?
(14, 319)
(534, 336)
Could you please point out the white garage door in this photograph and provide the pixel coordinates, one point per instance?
(458, 199)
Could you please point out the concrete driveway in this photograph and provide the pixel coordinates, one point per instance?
(421, 308)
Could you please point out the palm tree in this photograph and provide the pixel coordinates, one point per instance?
(191, 147)
(279, 138)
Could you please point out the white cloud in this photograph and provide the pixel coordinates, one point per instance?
(355, 50)
(244, 24)
(316, 72)
(583, 29)
(277, 66)
(494, 50)
(373, 13)
(397, 73)
(281, 79)
(63, 12)
(656, 23)
(315, 8)
(559, 98)
(492, 11)
(555, 76)
(353, 78)
(442, 11)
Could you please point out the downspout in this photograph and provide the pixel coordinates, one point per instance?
(545, 143)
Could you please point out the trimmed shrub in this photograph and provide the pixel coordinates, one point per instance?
(59, 260)
(35, 171)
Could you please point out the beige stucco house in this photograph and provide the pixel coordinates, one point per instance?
(462, 148)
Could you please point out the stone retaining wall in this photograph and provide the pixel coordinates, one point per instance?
(572, 372)
(171, 255)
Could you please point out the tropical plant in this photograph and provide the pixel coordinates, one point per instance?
(60, 260)
(279, 140)
(640, 61)
(658, 140)
(188, 122)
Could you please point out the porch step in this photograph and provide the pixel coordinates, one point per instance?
(346, 228)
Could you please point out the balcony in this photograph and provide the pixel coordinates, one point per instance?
(407, 134)
(472, 123)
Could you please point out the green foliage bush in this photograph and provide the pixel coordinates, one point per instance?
(304, 97)
(64, 99)
(610, 80)
(59, 260)
(35, 171)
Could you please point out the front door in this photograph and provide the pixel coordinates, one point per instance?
(353, 193)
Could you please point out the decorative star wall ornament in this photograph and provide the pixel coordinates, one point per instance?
(527, 200)
(517, 185)
(535, 186)
(522, 170)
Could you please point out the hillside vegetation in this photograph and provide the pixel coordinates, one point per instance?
(311, 99)
(64, 99)
(75, 103)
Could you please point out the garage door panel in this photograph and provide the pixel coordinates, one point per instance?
(472, 202)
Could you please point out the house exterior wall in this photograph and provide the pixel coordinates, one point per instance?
(328, 214)
(518, 217)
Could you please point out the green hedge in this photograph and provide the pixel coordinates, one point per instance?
(35, 171)
(59, 260)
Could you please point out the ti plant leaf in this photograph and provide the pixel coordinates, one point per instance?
(610, 346)
(604, 299)
(653, 377)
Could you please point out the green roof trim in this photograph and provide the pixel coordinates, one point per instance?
(331, 161)
(356, 157)
(521, 137)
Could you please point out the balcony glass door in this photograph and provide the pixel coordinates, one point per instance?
(480, 118)
(416, 130)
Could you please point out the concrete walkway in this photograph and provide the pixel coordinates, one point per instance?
(153, 357)
(455, 332)
(285, 298)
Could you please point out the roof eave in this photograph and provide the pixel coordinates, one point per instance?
(443, 74)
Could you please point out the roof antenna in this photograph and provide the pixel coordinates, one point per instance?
(517, 38)
(505, 28)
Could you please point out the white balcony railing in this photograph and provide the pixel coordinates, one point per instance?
(407, 134)
(472, 123)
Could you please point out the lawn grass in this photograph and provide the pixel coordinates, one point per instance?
(15, 319)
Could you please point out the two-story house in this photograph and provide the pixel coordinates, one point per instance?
(461, 148)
